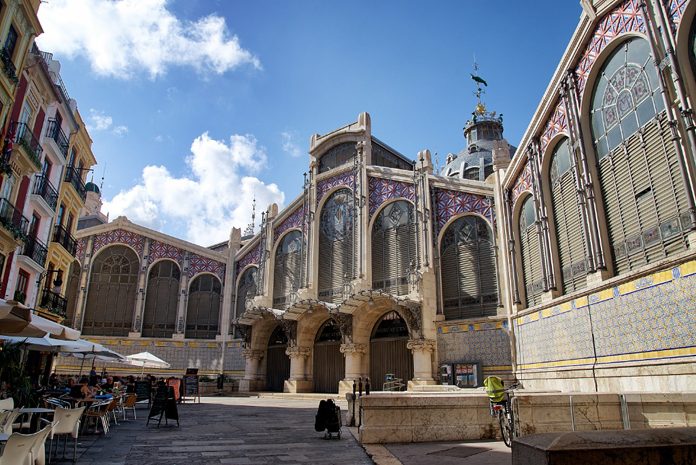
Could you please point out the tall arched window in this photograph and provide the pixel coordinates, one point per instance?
(288, 268)
(468, 269)
(203, 311)
(643, 194)
(72, 291)
(246, 289)
(111, 295)
(161, 300)
(336, 242)
(393, 247)
(531, 253)
(567, 218)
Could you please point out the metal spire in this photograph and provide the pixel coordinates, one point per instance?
(249, 231)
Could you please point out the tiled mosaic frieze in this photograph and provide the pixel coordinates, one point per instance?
(523, 183)
(160, 250)
(449, 203)
(556, 124)
(675, 11)
(650, 317)
(253, 256)
(81, 247)
(119, 236)
(624, 18)
(346, 179)
(293, 221)
(383, 190)
(491, 347)
(198, 264)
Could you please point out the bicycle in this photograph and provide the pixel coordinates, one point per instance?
(501, 407)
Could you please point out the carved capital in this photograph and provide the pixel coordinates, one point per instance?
(353, 348)
(252, 354)
(297, 351)
(421, 345)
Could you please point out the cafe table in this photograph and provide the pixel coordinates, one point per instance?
(39, 412)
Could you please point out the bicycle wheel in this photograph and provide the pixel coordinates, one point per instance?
(505, 429)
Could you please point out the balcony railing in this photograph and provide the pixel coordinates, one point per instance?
(25, 138)
(54, 303)
(44, 189)
(13, 220)
(72, 176)
(8, 66)
(56, 133)
(36, 250)
(64, 238)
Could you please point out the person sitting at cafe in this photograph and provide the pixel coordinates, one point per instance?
(82, 390)
(108, 385)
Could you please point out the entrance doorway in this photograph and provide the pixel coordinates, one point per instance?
(277, 361)
(388, 352)
(329, 368)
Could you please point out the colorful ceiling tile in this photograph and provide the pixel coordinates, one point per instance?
(293, 221)
(344, 179)
(253, 256)
(556, 124)
(119, 236)
(449, 203)
(382, 190)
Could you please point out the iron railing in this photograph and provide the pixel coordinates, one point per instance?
(56, 133)
(44, 189)
(64, 238)
(72, 176)
(54, 303)
(36, 250)
(13, 220)
(8, 66)
(26, 139)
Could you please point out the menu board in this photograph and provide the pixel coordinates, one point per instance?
(191, 388)
(142, 390)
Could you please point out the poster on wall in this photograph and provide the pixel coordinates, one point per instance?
(466, 375)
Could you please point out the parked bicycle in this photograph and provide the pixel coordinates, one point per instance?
(501, 406)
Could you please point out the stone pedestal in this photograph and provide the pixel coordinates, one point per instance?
(251, 381)
(298, 380)
(134, 334)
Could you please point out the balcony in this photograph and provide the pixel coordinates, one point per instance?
(44, 189)
(54, 303)
(64, 238)
(25, 139)
(56, 133)
(8, 66)
(13, 220)
(73, 177)
(36, 250)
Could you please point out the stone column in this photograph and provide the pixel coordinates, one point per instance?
(353, 354)
(298, 380)
(422, 361)
(140, 297)
(228, 294)
(84, 283)
(183, 301)
(251, 370)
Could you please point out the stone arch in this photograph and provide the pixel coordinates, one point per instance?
(161, 299)
(530, 280)
(287, 267)
(203, 308)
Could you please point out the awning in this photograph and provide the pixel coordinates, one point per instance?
(19, 320)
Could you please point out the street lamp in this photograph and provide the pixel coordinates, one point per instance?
(56, 282)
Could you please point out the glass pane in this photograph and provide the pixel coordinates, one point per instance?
(597, 124)
(602, 148)
(562, 157)
(629, 125)
(614, 137)
(646, 111)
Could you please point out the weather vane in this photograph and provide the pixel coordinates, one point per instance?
(480, 83)
(249, 231)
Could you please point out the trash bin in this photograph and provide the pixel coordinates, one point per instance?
(220, 382)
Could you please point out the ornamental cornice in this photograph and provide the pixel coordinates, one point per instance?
(298, 352)
(421, 345)
(353, 348)
(252, 354)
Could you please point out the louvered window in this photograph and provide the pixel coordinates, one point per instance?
(246, 289)
(288, 268)
(567, 219)
(531, 254)
(643, 195)
(468, 269)
(393, 247)
(161, 300)
(336, 243)
(111, 295)
(203, 310)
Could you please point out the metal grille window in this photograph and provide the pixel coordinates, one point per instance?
(567, 218)
(203, 310)
(246, 290)
(337, 156)
(644, 198)
(161, 300)
(468, 269)
(111, 295)
(393, 247)
(288, 268)
(336, 242)
(531, 254)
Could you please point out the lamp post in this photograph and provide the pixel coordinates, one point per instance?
(57, 282)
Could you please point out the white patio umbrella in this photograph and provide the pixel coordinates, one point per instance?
(146, 360)
(18, 320)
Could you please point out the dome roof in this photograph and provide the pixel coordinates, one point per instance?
(91, 187)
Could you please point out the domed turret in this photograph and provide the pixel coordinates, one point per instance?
(91, 187)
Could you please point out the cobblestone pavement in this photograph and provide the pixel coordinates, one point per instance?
(233, 430)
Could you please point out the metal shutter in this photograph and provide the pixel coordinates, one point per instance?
(393, 249)
(336, 242)
(288, 269)
(531, 258)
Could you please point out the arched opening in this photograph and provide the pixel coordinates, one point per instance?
(530, 249)
(287, 273)
(111, 295)
(644, 198)
(246, 289)
(328, 365)
(336, 244)
(161, 299)
(203, 310)
(336, 156)
(472, 173)
(393, 247)
(277, 361)
(567, 219)
(72, 290)
(468, 269)
(388, 352)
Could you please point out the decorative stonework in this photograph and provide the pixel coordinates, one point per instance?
(346, 179)
(298, 352)
(160, 250)
(253, 256)
(421, 344)
(451, 203)
(523, 183)
(119, 236)
(252, 354)
(383, 190)
(198, 264)
(624, 18)
(556, 124)
(353, 348)
(675, 10)
(81, 247)
(292, 221)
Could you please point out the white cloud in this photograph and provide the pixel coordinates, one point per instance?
(120, 130)
(215, 196)
(98, 121)
(290, 145)
(120, 38)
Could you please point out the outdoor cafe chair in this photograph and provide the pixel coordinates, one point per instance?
(38, 450)
(99, 412)
(129, 404)
(55, 402)
(17, 449)
(7, 418)
(66, 422)
(112, 408)
(7, 404)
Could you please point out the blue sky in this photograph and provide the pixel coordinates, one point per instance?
(196, 106)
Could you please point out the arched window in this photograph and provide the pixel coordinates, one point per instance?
(336, 242)
(531, 253)
(472, 173)
(111, 294)
(288, 268)
(468, 269)
(337, 156)
(71, 292)
(393, 247)
(567, 218)
(203, 311)
(246, 289)
(161, 300)
(643, 194)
